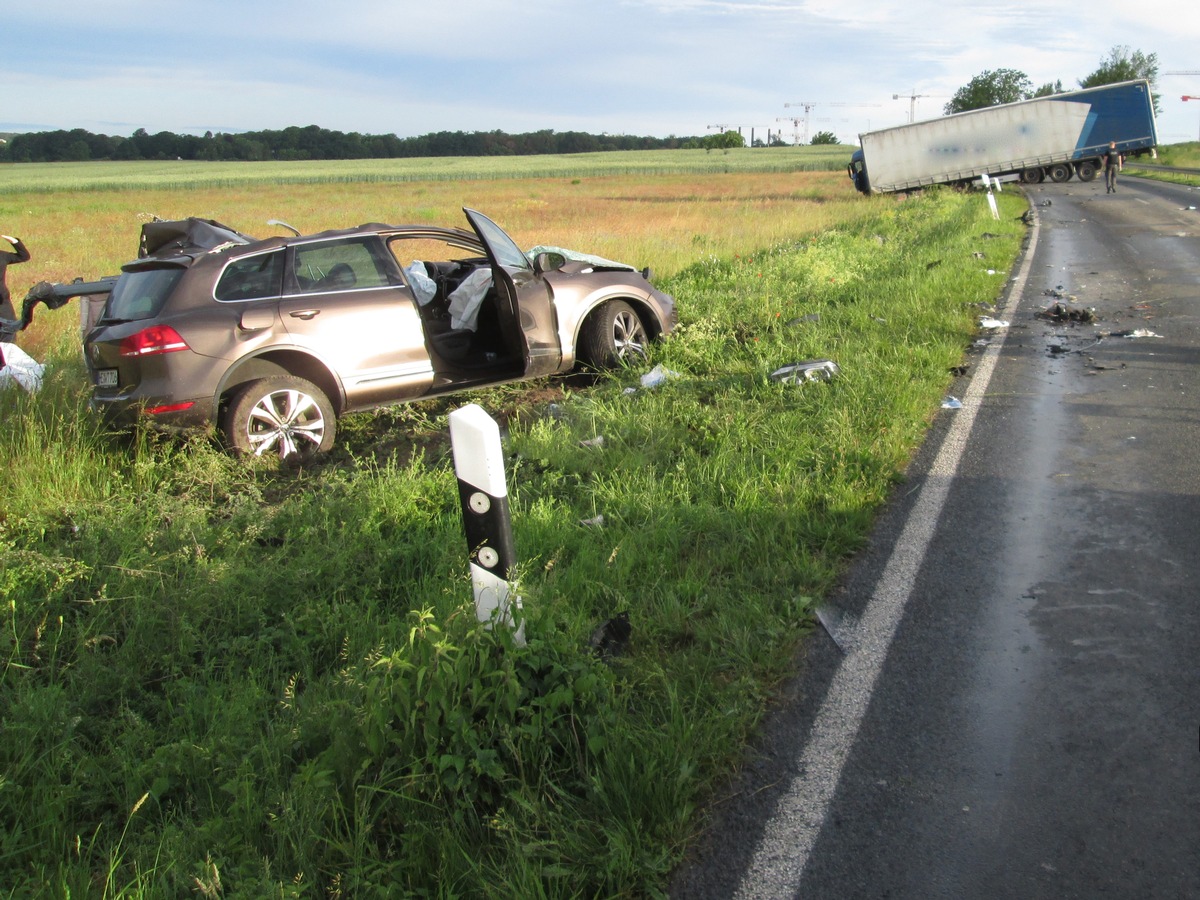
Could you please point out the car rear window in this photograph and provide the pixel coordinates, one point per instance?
(141, 294)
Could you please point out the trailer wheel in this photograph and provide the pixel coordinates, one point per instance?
(1085, 170)
(1059, 172)
(1032, 176)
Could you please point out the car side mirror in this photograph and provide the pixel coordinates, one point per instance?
(548, 262)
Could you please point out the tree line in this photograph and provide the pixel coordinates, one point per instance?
(312, 142)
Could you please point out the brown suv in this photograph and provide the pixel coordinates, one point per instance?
(273, 339)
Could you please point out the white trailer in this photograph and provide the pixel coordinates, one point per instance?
(1054, 137)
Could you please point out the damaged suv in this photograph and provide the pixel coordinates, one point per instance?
(272, 340)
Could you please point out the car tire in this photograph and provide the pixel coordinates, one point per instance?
(282, 416)
(613, 334)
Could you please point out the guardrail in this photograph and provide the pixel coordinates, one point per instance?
(1157, 168)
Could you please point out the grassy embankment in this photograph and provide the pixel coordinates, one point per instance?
(249, 683)
(1181, 156)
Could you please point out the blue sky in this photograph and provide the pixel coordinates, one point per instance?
(643, 67)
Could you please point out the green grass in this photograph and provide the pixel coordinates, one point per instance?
(1180, 156)
(107, 176)
(228, 680)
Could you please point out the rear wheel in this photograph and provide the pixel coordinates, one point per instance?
(282, 416)
(612, 335)
(1032, 176)
(1060, 172)
(1085, 170)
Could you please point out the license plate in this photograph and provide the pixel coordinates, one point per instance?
(106, 377)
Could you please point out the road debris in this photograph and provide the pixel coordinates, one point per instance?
(658, 376)
(1136, 333)
(841, 627)
(802, 372)
(1063, 314)
(992, 324)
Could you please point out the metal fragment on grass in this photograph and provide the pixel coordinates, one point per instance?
(803, 372)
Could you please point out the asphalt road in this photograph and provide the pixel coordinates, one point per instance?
(1006, 703)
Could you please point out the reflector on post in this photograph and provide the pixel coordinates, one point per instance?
(483, 497)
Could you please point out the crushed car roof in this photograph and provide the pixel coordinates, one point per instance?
(184, 236)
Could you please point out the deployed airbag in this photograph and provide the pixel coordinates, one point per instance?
(466, 299)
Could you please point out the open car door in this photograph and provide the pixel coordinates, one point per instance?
(527, 316)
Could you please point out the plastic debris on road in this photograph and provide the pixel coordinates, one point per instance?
(992, 324)
(951, 403)
(1137, 333)
(803, 372)
(842, 628)
(18, 367)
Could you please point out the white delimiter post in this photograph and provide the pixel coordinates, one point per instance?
(483, 494)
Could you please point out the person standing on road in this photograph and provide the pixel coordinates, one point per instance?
(1112, 165)
(7, 259)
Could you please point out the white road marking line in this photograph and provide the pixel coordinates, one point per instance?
(789, 838)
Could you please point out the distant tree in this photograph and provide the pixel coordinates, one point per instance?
(991, 88)
(76, 151)
(1121, 64)
(577, 142)
(1049, 89)
(824, 137)
(724, 140)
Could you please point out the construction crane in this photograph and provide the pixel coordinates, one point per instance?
(808, 108)
(913, 97)
(796, 120)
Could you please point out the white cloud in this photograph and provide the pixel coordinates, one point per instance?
(634, 66)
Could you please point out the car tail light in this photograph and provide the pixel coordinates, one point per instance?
(153, 340)
(170, 407)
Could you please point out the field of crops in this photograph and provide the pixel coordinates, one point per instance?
(234, 680)
(77, 227)
(173, 174)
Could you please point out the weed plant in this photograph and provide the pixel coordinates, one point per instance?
(233, 680)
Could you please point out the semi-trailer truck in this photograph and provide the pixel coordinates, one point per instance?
(1054, 137)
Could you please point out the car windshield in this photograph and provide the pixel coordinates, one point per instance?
(140, 294)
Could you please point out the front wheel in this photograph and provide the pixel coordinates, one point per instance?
(281, 416)
(612, 335)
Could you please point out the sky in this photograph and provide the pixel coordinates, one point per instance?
(638, 67)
